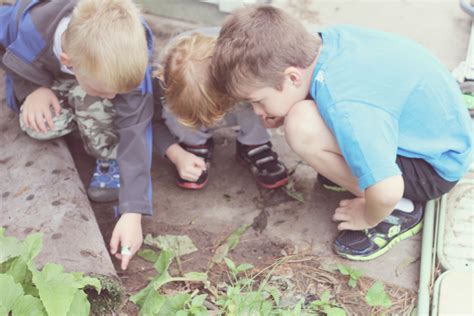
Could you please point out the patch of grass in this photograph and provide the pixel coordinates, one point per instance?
(109, 299)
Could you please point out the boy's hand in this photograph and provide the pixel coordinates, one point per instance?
(189, 166)
(128, 235)
(351, 215)
(36, 110)
(272, 122)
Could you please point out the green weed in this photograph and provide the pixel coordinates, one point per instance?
(353, 274)
(326, 305)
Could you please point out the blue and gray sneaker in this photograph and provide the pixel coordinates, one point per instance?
(368, 244)
(105, 182)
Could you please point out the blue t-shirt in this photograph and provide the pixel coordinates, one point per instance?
(383, 95)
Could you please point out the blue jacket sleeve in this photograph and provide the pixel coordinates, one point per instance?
(133, 124)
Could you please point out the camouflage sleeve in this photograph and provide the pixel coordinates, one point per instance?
(133, 123)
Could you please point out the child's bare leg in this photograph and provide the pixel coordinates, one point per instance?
(311, 139)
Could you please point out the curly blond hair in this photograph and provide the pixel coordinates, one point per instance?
(189, 92)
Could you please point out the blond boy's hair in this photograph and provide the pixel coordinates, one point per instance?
(189, 92)
(106, 41)
(255, 46)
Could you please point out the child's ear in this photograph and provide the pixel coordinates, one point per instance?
(65, 60)
(293, 74)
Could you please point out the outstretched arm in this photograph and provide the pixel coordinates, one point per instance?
(134, 114)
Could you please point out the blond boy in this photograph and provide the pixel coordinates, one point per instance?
(193, 110)
(84, 64)
(373, 112)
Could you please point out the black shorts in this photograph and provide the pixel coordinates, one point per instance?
(422, 183)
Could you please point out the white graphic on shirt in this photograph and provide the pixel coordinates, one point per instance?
(320, 76)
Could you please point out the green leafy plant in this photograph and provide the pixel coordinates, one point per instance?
(376, 296)
(184, 304)
(353, 274)
(25, 290)
(152, 302)
(326, 305)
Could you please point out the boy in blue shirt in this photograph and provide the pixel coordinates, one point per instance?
(373, 112)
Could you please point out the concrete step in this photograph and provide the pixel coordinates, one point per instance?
(41, 191)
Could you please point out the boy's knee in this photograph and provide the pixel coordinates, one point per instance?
(64, 124)
(301, 126)
(40, 135)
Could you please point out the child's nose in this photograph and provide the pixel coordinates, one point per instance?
(108, 96)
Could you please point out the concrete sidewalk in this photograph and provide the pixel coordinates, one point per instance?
(40, 191)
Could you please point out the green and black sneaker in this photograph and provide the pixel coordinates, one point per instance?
(329, 185)
(368, 244)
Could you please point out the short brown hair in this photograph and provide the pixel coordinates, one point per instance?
(106, 41)
(255, 46)
(189, 92)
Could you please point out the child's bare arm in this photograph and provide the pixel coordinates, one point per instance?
(378, 202)
(189, 165)
(36, 110)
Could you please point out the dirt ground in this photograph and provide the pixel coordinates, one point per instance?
(304, 274)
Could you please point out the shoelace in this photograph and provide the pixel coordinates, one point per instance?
(103, 165)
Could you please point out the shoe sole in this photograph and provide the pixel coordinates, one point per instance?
(102, 196)
(275, 185)
(334, 188)
(192, 185)
(411, 232)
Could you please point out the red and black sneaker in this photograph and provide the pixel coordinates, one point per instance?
(263, 162)
(204, 151)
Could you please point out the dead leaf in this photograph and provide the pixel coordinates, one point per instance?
(229, 244)
(180, 245)
(404, 264)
